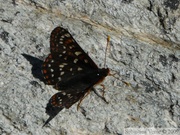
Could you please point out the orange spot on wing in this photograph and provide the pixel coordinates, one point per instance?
(50, 56)
(46, 61)
(68, 41)
(44, 71)
(52, 36)
(49, 82)
(52, 43)
(54, 103)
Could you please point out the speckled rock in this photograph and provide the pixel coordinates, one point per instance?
(145, 52)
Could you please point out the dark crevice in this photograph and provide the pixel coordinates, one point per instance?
(161, 19)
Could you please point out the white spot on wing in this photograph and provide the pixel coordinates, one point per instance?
(59, 78)
(85, 60)
(77, 53)
(64, 64)
(61, 66)
(62, 73)
(52, 61)
(67, 35)
(75, 60)
(79, 69)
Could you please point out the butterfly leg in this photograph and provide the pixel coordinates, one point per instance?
(127, 83)
(83, 98)
(103, 92)
(103, 89)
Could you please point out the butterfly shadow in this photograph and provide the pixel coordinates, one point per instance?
(36, 66)
(36, 72)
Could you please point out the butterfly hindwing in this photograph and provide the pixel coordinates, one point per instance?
(59, 101)
(65, 100)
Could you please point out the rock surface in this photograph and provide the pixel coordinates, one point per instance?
(145, 52)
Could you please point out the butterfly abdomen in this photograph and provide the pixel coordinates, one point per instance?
(83, 80)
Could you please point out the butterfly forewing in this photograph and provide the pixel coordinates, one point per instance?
(66, 59)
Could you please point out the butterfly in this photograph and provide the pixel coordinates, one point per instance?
(70, 70)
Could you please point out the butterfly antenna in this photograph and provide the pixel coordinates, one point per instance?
(107, 46)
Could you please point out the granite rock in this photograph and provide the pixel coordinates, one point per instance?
(144, 51)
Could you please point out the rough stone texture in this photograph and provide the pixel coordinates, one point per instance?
(145, 51)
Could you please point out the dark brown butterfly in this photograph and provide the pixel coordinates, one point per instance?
(70, 70)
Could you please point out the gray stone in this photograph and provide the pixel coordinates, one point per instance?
(145, 52)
